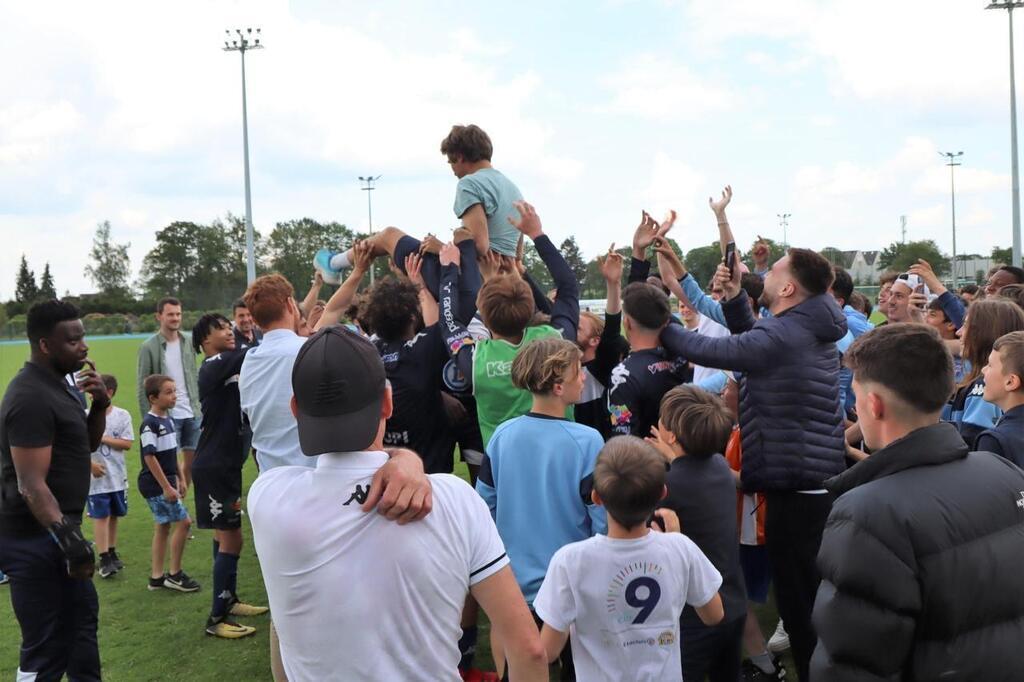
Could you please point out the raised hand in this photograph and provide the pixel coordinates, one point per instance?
(89, 381)
(730, 282)
(719, 206)
(362, 256)
(645, 234)
(918, 302)
(666, 225)
(924, 270)
(489, 264)
(431, 244)
(528, 222)
(611, 265)
(413, 268)
(450, 255)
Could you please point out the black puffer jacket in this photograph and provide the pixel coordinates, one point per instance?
(790, 417)
(921, 566)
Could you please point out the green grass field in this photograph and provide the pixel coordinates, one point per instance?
(159, 635)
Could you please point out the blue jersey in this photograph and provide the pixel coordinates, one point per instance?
(970, 412)
(536, 479)
(157, 439)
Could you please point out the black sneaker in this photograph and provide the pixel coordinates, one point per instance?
(118, 564)
(181, 582)
(751, 673)
(107, 567)
(157, 583)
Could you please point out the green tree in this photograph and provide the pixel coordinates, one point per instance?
(535, 267)
(703, 261)
(109, 267)
(25, 291)
(1002, 256)
(291, 246)
(574, 257)
(775, 252)
(833, 255)
(899, 256)
(46, 288)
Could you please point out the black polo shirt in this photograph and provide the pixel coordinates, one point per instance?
(41, 409)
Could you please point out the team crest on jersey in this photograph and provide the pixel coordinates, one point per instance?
(454, 379)
(620, 415)
(667, 638)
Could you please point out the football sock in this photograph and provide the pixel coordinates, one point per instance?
(223, 567)
(340, 261)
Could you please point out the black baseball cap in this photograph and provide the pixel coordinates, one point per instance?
(338, 381)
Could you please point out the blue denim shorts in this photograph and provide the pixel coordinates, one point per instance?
(188, 433)
(166, 512)
(105, 505)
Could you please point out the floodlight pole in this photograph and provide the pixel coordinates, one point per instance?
(953, 163)
(784, 224)
(1009, 6)
(241, 43)
(368, 187)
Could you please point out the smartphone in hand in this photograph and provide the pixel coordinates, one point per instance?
(730, 257)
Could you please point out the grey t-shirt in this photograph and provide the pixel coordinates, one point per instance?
(119, 425)
(495, 193)
(703, 493)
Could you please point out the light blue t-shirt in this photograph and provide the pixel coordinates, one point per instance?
(536, 478)
(495, 193)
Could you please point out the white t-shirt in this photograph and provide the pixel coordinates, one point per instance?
(358, 597)
(172, 358)
(265, 391)
(710, 328)
(119, 425)
(620, 601)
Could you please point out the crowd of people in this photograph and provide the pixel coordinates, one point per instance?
(639, 481)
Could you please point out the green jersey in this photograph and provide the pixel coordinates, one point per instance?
(497, 398)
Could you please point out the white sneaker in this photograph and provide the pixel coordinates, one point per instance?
(780, 640)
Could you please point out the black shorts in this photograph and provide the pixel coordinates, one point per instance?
(218, 497)
(430, 269)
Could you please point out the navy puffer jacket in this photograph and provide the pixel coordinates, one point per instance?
(791, 421)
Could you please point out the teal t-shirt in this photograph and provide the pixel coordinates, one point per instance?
(495, 193)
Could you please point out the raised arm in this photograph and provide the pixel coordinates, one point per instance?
(647, 232)
(362, 256)
(475, 220)
(611, 266)
(428, 306)
(456, 337)
(718, 208)
(950, 303)
(313, 295)
(565, 312)
(742, 352)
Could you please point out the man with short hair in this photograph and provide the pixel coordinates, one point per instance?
(648, 372)
(842, 291)
(265, 395)
(170, 352)
(790, 416)
(1006, 274)
(899, 308)
(356, 597)
(45, 445)
(896, 598)
(247, 334)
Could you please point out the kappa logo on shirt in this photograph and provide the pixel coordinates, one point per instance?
(619, 376)
(358, 495)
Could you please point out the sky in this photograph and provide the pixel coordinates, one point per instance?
(833, 112)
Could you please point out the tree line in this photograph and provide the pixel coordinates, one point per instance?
(205, 264)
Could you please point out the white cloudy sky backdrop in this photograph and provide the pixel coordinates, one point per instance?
(831, 111)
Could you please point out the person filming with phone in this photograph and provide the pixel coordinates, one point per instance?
(45, 444)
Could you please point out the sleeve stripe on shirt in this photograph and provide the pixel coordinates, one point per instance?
(485, 567)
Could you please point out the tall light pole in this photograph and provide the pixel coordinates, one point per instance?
(953, 162)
(1009, 6)
(368, 187)
(241, 42)
(784, 224)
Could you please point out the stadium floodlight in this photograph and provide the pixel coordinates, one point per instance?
(784, 224)
(1009, 6)
(242, 43)
(368, 187)
(953, 161)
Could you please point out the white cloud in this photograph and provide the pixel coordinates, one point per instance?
(654, 87)
(673, 185)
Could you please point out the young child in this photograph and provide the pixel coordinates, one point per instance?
(161, 483)
(107, 498)
(936, 318)
(536, 473)
(619, 597)
(762, 664)
(694, 426)
(1004, 387)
